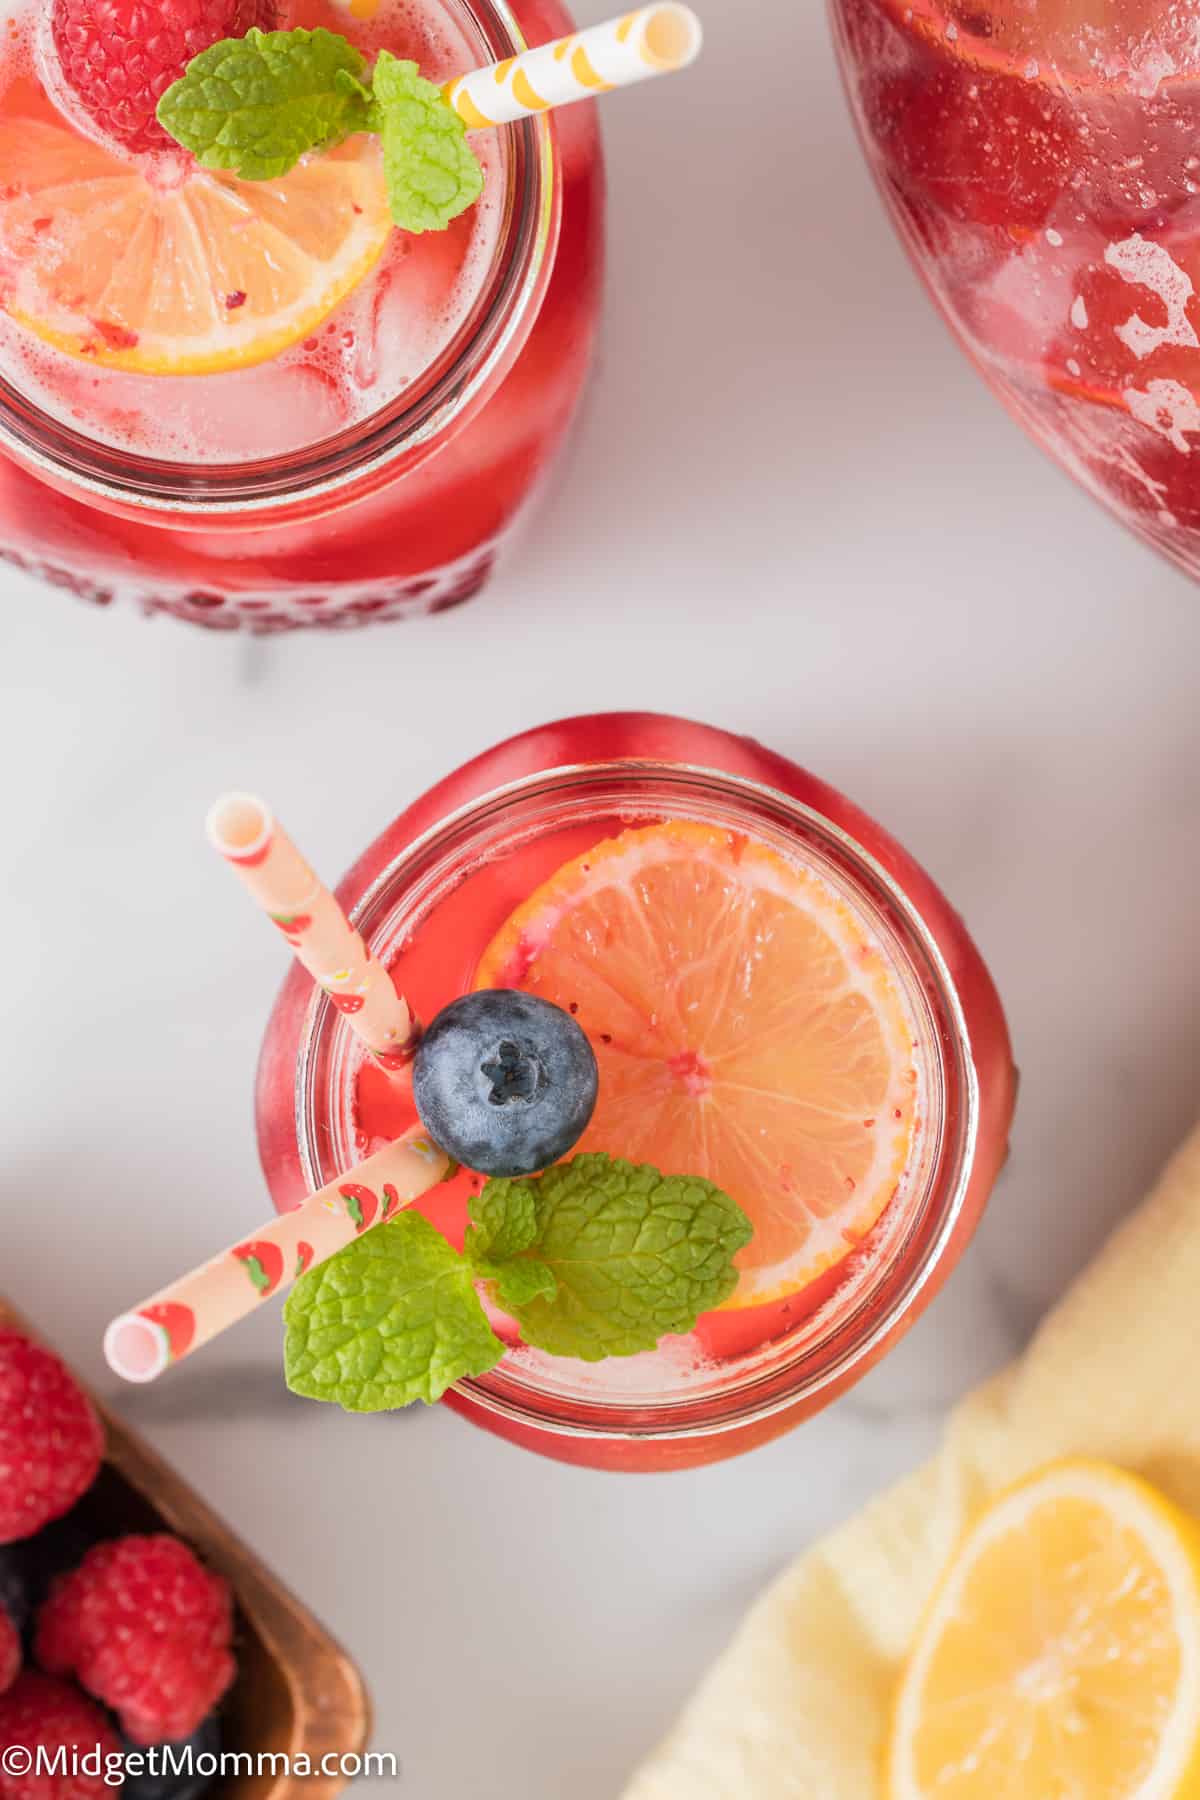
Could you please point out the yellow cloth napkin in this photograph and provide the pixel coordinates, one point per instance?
(795, 1708)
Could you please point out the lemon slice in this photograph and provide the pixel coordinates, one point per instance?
(1060, 1659)
(745, 1027)
(185, 276)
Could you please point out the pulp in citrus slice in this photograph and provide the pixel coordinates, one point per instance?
(747, 1028)
(1061, 1653)
(166, 268)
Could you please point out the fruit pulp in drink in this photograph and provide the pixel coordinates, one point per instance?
(424, 540)
(1043, 163)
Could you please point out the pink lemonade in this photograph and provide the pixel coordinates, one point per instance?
(436, 897)
(1043, 164)
(371, 468)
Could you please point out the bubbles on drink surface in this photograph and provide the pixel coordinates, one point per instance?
(360, 361)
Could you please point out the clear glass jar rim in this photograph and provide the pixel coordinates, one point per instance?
(748, 1402)
(66, 456)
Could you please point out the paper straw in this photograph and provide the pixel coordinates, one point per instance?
(652, 41)
(173, 1323)
(322, 938)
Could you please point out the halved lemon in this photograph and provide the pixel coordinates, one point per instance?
(1060, 1658)
(180, 272)
(746, 1027)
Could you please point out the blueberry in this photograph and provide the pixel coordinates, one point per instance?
(15, 1583)
(504, 1082)
(58, 1547)
(29, 1566)
(177, 1777)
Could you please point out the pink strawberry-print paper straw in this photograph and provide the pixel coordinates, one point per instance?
(177, 1320)
(283, 885)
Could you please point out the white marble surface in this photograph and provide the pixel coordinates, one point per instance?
(792, 510)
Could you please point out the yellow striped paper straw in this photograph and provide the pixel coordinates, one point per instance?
(655, 40)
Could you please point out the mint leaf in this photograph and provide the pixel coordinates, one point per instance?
(515, 1284)
(634, 1254)
(431, 173)
(256, 104)
(504, 1221)
(392, 1318)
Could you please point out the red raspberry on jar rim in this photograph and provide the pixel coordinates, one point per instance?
(118, 57)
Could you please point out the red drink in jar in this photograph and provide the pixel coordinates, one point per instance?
(371, 468)
(444, 897)
(1043, 165)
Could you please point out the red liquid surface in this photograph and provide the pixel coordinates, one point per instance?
(1043, 163)
(420, 541)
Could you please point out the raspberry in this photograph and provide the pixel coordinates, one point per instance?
(38, 1711)
(120, 56)
(51, 1441)
(10, 1651)
(146, 1628)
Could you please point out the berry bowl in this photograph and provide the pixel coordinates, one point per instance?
(297, 1693)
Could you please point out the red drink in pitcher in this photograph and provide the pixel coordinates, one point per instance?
(778, 999)
(256, 404)
(1043, 164)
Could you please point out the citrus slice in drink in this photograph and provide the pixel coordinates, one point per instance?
(746, 1026)
(172, 269)
(1061, 1652)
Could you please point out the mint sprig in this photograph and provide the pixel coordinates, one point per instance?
(597, 1257)
(255, 105)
